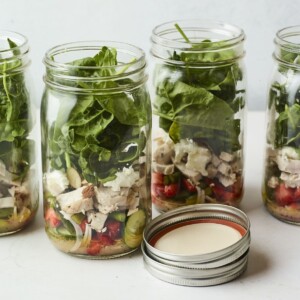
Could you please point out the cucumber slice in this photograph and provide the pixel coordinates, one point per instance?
(6, 212)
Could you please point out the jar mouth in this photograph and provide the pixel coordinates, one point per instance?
(287, 51)
(203, 37)
(20, 40)
(13, 52)
(167, 34)
(130, 58)
(289, 37)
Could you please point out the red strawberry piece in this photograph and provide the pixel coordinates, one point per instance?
(188, 185)
(171, 190)
(284, 195)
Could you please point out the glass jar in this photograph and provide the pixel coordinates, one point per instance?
(198, 110)
(96, 125)
(18, 179)
(281, 184)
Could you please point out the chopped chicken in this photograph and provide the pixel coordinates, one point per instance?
(96, 220)
(7, 202)
(273, 182)
(193, 175)
(227, 180)
(290, 180)
(74, 202)
(109, 200)
(226, 156)
(126, 179)
(215, 160)
(196, 157)
(224, 168)
(164, 169)
(288, 160)
(163, 153)
(211, 171)
(56, 182)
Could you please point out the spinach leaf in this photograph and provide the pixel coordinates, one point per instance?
(16, 121)
(100, 132)
(199, 102)
(287, 127)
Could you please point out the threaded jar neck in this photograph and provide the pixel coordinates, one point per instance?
(95, 66)
(14, 51)
(202, 42)
(287, 46)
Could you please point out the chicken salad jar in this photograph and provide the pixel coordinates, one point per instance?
(198, 111)
(96, 126)
(18, 180)
(281, 183)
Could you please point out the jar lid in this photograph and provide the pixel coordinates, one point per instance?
(197, 245)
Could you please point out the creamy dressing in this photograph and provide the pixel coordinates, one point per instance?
(198, 238)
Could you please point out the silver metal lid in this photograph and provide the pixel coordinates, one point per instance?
(197, 270)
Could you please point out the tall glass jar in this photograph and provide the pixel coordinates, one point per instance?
(198, 110)
(281, 184)
(18, 178)
(96, 125)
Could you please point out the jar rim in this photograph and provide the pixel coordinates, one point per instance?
(237, 34)
(18, 38)
(94, 45)
(283, 34)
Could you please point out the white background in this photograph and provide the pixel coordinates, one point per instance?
(48, 23)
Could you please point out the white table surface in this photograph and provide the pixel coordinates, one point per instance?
(31, 268)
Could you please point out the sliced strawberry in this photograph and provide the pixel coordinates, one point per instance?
(188, 185)
(94, 247)
(51, 218)
(104, 239)
(297, 194)
(284, 195)
(171, 190)
(227, 194)
(114, 229)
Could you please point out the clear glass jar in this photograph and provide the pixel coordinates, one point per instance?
(96, 125)
(198, 110)
(281, 183)
(18, 178)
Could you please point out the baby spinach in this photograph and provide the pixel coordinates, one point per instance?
(201, 102)
(101, 132)
(15, 119)
(285, 99)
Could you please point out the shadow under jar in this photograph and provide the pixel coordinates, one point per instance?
(18, 178)
(198, 109)
(96, 125)
(281, 184)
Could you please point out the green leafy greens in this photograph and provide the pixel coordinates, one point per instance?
(102, 133)
(15, 120)
(201, 101)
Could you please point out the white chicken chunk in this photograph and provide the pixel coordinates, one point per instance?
(75, 202)
(109, 200)
(7, 202)
(126, 178)
(290, 180)
(288, 160)
(96, 220)
(197, 157)
(56, 182)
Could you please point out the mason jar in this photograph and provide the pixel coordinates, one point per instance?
(198, 114)
(18, 178)
(96, 125)
(281, 183)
